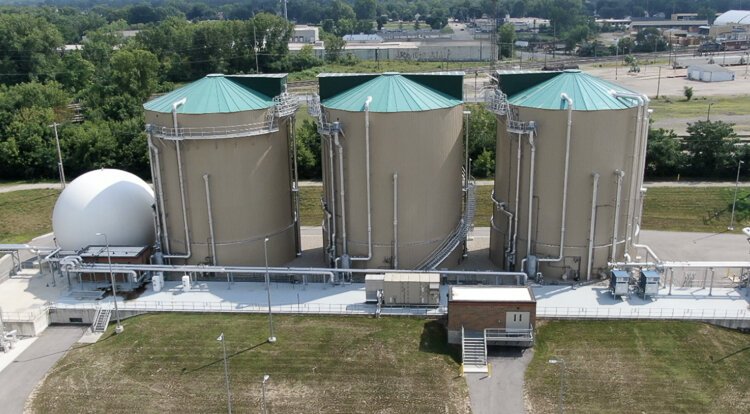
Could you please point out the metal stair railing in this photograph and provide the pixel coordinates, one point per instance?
(285, 104)
(473, 349)
(457, 236)
(315, 111)
(497, 102)
(101, 319)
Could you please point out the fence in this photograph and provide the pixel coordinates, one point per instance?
(641, 313)
(369, 309)
(236, 307)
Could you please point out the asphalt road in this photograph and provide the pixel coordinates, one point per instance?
(18, 380)
(502, 393)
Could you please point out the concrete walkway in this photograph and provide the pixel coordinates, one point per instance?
(21, 377)
(502, 393)
(34, 186)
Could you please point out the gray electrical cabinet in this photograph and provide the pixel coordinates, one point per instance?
(619, 283)
(411, 289)
(648, 283)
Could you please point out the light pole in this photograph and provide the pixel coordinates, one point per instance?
(736, 186)
(118, 328)
(708, 114)
(60, 169)
(562, 380)
(266, 377)
(226, 372)
(271, 337)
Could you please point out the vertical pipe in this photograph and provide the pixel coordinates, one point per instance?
(332, 199)
(210, 220)
(530, 209)
(156, 179)
(711, 287)
(395, 220)
(182, 185)
(592, 224)
(619, 174)
(367, 174)
(342, 195)
(512, 254)
(564, 207)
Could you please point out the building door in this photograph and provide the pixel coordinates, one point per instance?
(516, 320)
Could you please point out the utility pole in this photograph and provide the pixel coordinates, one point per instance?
(60, 169)
(226, 373)
(255, 45)
(658, 84)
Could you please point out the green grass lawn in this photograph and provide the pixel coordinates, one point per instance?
(678, 107)
(172, 363)
(383, 66)
(26, 214)
(640, 367)
(705, 209)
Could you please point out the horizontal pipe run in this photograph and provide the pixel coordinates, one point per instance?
(119, 268)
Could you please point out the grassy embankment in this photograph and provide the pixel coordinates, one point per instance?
(640, 367)
(172, 363)
(26, 214)
(706, 209)
(678, 107)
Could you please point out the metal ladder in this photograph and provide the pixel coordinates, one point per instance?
(457, 236)
(473, 351)
(101, 319)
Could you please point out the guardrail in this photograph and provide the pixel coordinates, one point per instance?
(369, 309)
(641, 313)
(27, 316)
(237, 307)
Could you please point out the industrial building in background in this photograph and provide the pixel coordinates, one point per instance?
(393, 169)
(570, 161)
(224, 171)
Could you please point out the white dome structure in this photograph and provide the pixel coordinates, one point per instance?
(113, 202)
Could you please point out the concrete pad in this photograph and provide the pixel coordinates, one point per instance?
(90, 337)
(502, 391)
(6, 358)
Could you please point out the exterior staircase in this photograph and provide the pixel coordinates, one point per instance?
(101, 319)
(474, 351)
(457, 236)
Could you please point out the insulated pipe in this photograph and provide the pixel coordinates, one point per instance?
(592, 226)
(530, 209)
(160, 191)
(638, 152)
(619, 174)
(342, 198)
(512, 254)
(188, 253)
(564, 206)
(332, 199)
(648, 249)
(210, 220)
(367, 173)
(184, 209)
(395, 220)
(503, 208)
(281, 271)
(680, 265)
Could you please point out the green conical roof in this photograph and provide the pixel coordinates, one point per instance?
(588, 93)
(210, 95)
(391, 92)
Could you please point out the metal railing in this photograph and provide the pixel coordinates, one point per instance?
(641, 313)
(239, 307)
(285, 104)
(221, 132)
(508, 335)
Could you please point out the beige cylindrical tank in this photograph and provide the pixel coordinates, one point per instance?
(234, 161)
(425, 150)
(604, 140)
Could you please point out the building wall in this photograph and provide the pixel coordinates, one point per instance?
(477, 316)
(250, 187)
(601, 142)
(426, 150)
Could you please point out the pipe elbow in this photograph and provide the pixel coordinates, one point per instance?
(564, 96)
(367, 103)
(176, 104)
